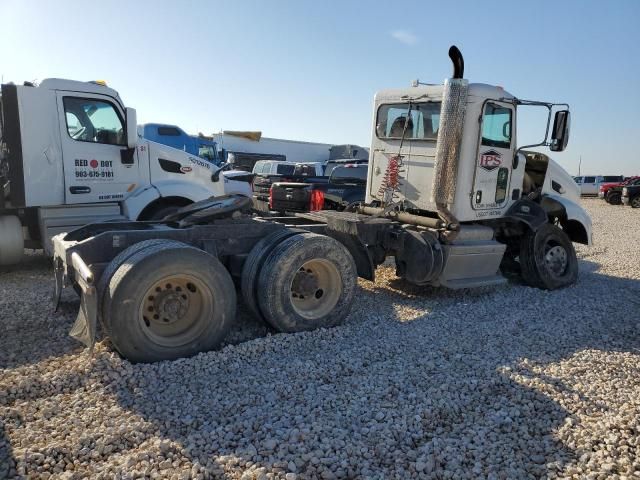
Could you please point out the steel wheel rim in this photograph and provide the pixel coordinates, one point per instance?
(556, 259)
(171, 309)
(315, 289)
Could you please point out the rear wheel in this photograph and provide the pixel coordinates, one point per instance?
(121, 258)
(253, 264)
(166, 302)
(307, 282)
(548, 259)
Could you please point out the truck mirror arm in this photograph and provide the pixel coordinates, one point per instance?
(549, 106)
(215, 176)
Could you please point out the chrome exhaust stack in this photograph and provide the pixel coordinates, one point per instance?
(454, 100)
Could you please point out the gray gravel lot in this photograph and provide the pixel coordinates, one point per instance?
(508, 382)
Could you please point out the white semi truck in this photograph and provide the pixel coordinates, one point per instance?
(450, 196)
(70, 155)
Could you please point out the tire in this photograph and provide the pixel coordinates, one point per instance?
(11, 240)
(118, 260)
(614, 198)
(635, 201)
(253, 264)
(307, 282)
(548, 259)
(166, 302)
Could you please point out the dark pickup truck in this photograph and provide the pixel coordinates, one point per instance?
(631, 195)
(345, 186)
(613, 192)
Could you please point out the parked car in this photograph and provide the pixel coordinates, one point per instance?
(590, 184)
(345, 186)
(612, 192)
(631, 195)
(269, 171)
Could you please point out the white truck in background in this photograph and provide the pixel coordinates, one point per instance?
(250, 144)
(70, 155)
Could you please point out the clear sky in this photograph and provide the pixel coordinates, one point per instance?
(308, 69)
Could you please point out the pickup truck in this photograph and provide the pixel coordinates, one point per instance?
(631, 195)
(612, 192)
(269, 171)
(344, 187)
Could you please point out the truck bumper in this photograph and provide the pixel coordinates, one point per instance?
(625, 200)
(600, 194)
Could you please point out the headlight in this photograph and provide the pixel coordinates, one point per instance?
(624, 191)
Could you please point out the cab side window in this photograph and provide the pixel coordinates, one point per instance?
(92, 120)
(496, 126)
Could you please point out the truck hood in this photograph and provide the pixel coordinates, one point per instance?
(558, 182)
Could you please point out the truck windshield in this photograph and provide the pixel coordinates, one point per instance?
(305, 170)
(207, 152)
(285, 169)
(422, 123)
(349, 174)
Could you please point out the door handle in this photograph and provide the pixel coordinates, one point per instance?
(75, 190)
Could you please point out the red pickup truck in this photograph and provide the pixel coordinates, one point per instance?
(612, 191)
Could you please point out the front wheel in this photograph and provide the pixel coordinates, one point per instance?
(548, 259)
(635, 202)
(614, 198)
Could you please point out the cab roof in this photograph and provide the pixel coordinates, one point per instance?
(434, 92)
(76, 86)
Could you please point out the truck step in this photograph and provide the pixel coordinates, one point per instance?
(458, 283)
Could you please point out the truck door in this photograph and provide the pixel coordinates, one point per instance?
(93, 134)
(495, 157)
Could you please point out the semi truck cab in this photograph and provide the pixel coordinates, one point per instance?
(490, 172)
(70, 154)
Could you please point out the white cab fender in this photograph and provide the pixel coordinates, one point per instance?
(134, 204)
(575, 212)
(189, 190)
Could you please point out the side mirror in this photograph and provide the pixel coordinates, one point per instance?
(560, 133)
(132, 127)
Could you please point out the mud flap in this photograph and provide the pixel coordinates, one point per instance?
(84, 329)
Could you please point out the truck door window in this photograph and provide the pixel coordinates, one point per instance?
(91, 120)
(589, 179)
(496, 126)
(207, 151)
(422, 124)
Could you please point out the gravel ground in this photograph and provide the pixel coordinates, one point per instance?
(508, 382)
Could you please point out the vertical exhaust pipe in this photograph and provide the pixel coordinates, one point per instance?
(454, 102)
(458, 62)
